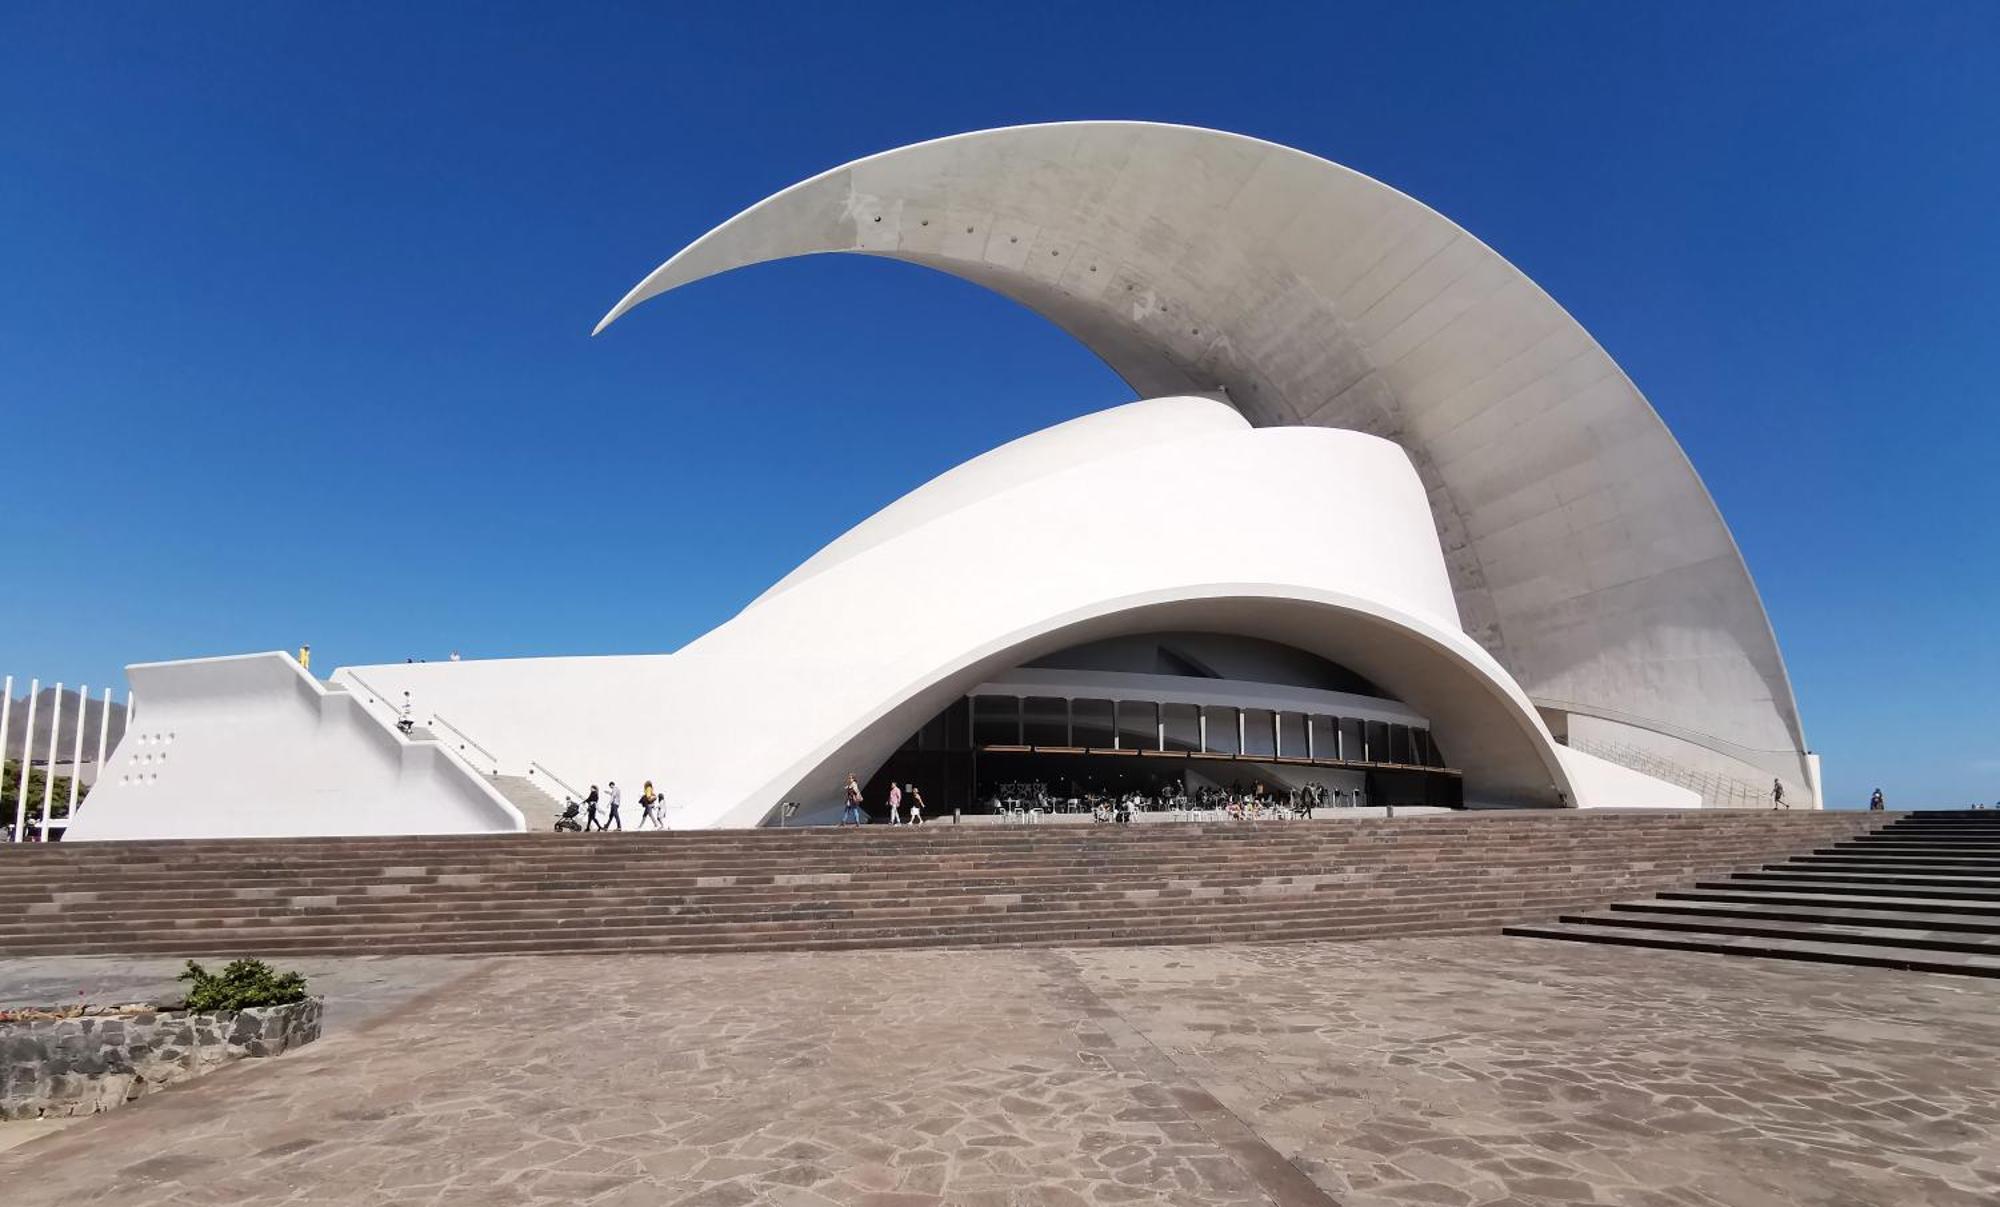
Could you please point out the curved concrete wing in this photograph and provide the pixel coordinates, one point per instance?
(1583, 550)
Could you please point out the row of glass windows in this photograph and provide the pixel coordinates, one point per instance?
(1190, 728)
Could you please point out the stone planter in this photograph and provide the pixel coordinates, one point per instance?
(87, 1063)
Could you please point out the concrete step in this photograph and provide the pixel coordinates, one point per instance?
(1664, 906)
(1936, 905)
(1815, 929)
(1865, 876)
(940, 885)
(1859, 887)
(1946, 858)
(577, 939)
(1957, 963)
(390, 910)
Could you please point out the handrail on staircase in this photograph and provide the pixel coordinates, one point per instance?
(378, 696)
(533, 767)
(490, 756)
(374, 692)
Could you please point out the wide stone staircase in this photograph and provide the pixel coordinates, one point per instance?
(1921, 893)
(875, 886)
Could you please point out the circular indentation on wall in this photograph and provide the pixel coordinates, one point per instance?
(968, 230)
(878, 217)
(1055, 253)
(925, 222)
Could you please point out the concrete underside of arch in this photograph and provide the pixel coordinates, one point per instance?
(1484, 723)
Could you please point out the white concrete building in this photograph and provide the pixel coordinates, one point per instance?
(1497, 580)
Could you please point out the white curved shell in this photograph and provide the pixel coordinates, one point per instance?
(833, 672)
(1582, 549)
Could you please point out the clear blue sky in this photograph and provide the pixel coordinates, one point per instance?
(295, 303)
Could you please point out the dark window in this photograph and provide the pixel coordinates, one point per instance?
(1399, 745)
(1377, 739)
(1350, 739)
(1138, 725)
(1260, 732)
(1292, 734)
(1221, 720)
(1090, 724)
(958, 725)
(1326, 739)
(1183, 723)
(996, 721)
(1045, 721)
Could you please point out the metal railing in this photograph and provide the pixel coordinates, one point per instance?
(377, 697)
(536, 768)
(465, 740)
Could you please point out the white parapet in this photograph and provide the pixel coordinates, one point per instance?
(251, 746)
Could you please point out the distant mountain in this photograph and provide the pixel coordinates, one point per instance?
(45, 703)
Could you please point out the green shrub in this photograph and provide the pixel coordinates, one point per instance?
(241, 984)
(10, 791)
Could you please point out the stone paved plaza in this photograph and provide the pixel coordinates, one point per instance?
(1442, 1071)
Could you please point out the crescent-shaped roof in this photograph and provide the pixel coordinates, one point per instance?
(1584, 552)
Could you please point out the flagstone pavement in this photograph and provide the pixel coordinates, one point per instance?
(1456, 1071)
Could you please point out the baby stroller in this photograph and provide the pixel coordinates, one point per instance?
(566, 821)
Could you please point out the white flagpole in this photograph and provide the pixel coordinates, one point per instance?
(27, 749)
(103, 730)
(6, 715)
(49, 759)
(76, 750)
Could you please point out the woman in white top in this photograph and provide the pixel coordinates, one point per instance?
(895, 804)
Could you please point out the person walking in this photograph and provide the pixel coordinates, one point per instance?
(916, 806)
(305, 657)
(1778, 795)
(611, 801)
(851, 792)
(895, 804)
(649, 808)
(1875, 804)
(590, 811)
(406, 720)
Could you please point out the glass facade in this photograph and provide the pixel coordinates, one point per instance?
(977, 744)
(1148, 727)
